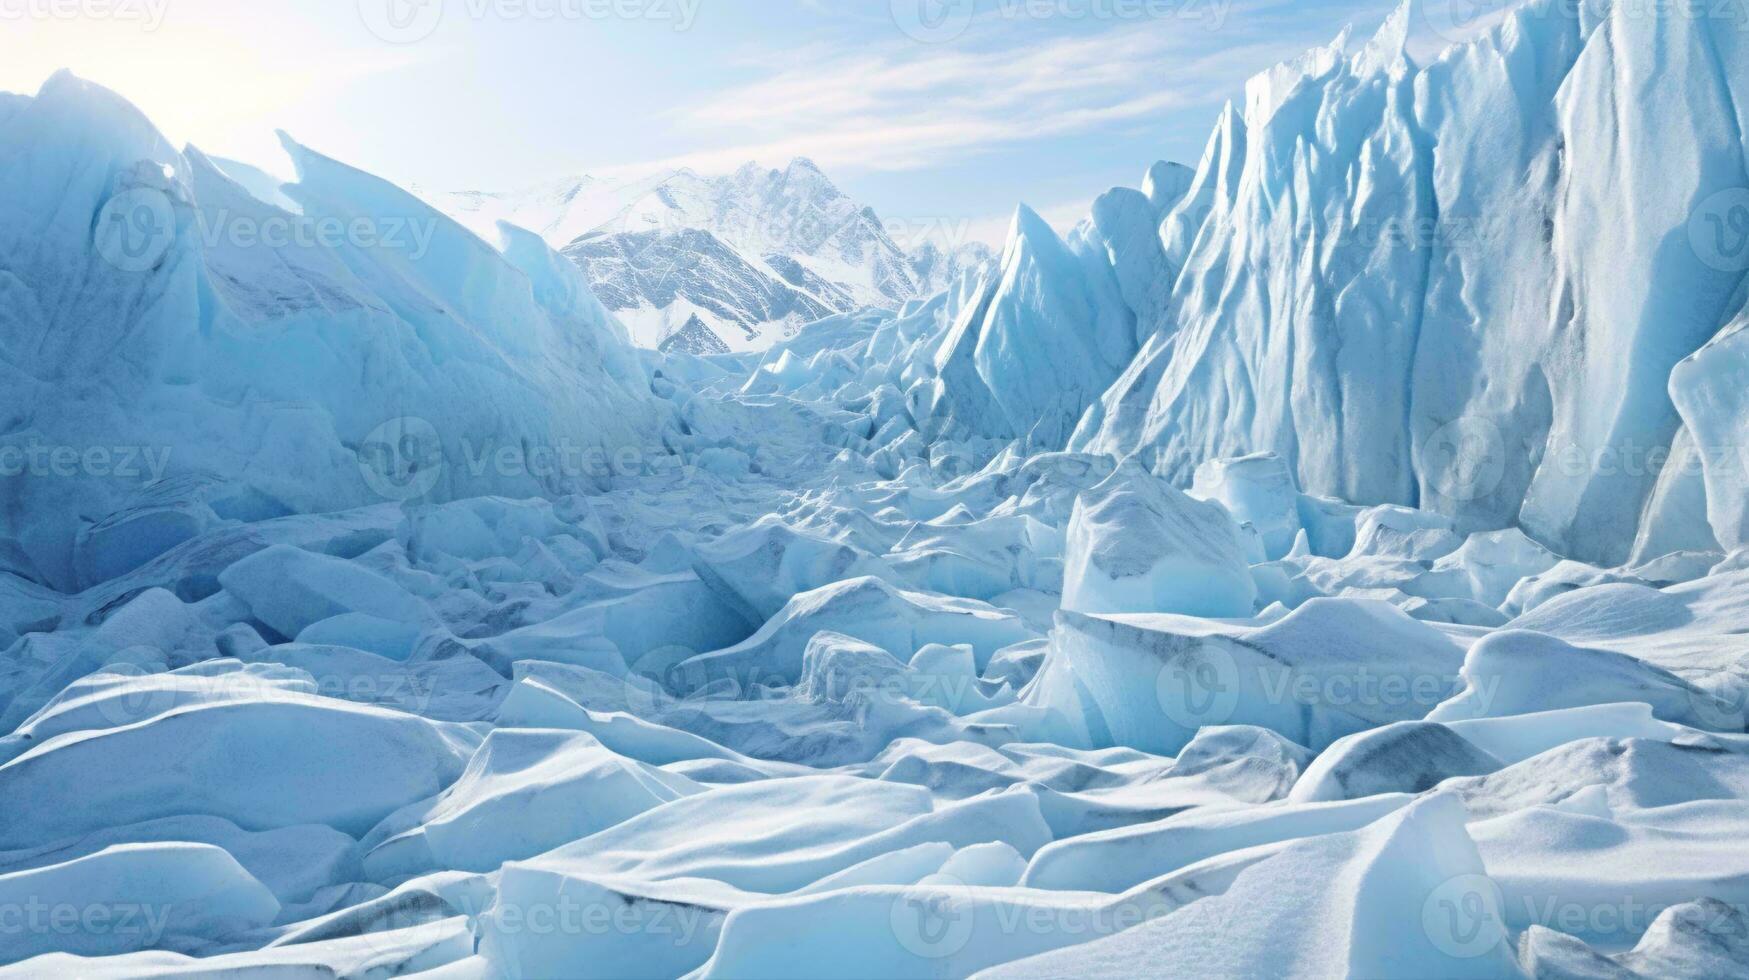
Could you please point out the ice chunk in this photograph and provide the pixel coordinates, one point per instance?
(362, 631)
(1407, 757)
(550, 922)
(292, 862)
(1282, 917)
(1707, 388)
(1634, 773)
(1118, 859)
(1138, 545)
(1515, 738)
(290, 589)
(867, 609)
(1516, 672)
(523, 792)
(1331, 668)
(434, 950)
(1604, 878)
(1257, 490)
(1492, 562)
(758, 568)
(670, 612)
(261, 763)
(1399, 532)
(132, 897)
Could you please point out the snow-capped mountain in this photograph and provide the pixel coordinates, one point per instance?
(752, 256)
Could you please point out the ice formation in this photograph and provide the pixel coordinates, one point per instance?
(1323, 562)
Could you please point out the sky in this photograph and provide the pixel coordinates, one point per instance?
(940, 114)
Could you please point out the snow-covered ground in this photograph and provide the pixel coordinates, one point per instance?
(1207, 593)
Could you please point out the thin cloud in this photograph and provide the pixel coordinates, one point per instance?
(903, 106)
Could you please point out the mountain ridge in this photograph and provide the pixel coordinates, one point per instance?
(780, 248)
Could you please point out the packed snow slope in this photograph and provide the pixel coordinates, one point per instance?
(838, 663)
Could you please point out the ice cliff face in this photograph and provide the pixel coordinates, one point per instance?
(238, 358)
(1417, 284)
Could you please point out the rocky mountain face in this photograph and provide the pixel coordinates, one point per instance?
(751, 256)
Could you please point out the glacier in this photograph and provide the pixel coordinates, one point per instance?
(1327, 560)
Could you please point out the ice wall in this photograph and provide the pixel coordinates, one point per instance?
(160, 327)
